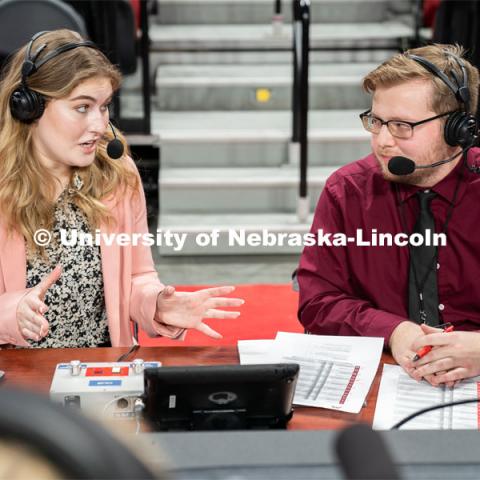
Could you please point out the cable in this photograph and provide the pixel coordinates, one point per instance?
(124, 356)
(138, 407)
(429, 409)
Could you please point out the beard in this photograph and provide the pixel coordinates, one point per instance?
(422, 177)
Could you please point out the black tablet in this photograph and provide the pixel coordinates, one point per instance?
(220, 397)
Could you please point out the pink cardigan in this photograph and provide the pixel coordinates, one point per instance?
(131, 284)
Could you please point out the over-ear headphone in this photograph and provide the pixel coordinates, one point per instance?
(27, 105)
(461, 126)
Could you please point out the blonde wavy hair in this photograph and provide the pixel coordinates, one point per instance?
(27, 188)
(400, 68)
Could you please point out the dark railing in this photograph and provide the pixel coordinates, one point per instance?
(141, 125)
(145, 50)
(277, 10)
(417, 24)
(277, 19)
(301, 61)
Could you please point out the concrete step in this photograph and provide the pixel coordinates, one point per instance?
(261, 11)
(236, 190)
(284, 57)
(255, 139)
(177, 38)
(258, 87)
(239, 234)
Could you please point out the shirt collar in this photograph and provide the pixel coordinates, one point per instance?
(72, 188)
(447, 186)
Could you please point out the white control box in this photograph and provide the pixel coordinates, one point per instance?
(104, 388)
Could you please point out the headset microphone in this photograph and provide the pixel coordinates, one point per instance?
(401, 166)
(404, 166)
(115, 146)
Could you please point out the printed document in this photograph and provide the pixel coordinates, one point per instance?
(400, 395)
(335, 372)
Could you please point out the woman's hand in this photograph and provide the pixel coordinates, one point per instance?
(30, 310)
(454, 356)
(188, 309)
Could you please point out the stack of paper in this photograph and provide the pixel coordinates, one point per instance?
(400, 395)
(335, 372)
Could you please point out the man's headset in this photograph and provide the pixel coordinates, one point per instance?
(27, 105)
(461, 125)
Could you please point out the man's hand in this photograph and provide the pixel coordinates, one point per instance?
(30, 310)
(454, 356)
(401, 344)
(188, 309)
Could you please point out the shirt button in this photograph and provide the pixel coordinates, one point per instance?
(426, 191)
(441, 307)
(438, 266)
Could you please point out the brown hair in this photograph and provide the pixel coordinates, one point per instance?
(26, 186)
(400, 68)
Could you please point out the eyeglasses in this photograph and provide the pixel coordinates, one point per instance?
(398, 128)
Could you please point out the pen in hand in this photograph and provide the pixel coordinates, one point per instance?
(427, 348)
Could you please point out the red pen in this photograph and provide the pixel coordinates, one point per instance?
(427, 348)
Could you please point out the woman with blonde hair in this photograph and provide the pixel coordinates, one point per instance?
(57, 177)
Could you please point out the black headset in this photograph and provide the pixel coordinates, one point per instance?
(461, 126)
(27, 105)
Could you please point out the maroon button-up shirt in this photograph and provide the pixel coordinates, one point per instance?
(363, 290)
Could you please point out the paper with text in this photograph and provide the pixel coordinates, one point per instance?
(400, 395)
(335, 372)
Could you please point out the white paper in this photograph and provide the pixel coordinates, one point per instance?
(400, 395)
(335, 372)
(253, 351)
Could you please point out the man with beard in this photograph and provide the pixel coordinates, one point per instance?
(423, 107)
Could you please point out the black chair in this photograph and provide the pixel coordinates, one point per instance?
(68, 441)
(111, 25)
(19, 21)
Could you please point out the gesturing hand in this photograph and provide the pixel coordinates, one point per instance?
(188, 309)
(30, 310)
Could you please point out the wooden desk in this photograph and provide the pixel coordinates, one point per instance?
(34, 369)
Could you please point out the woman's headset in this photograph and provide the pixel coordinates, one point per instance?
(27, 105)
